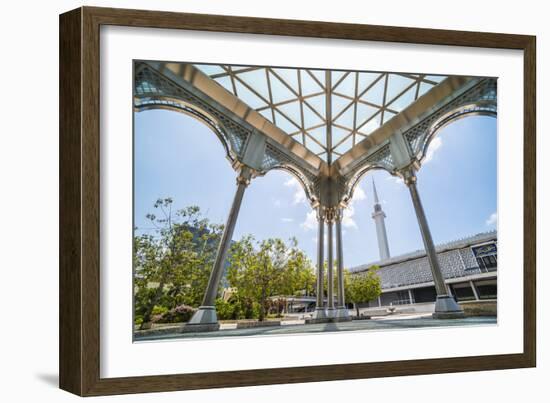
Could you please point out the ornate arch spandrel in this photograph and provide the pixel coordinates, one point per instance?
(475, 109)
(165, 103)
(153, 90)
(481, 99)
(380, 160)
(275, 159)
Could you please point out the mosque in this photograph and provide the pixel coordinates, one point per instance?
(468, 265)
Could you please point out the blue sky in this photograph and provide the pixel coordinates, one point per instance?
(177, 156)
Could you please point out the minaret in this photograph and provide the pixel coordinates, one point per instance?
(378, 216)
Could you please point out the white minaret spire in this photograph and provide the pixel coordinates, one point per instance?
(378, 216)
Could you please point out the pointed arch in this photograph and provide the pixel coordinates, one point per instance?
(176, 105)
(481, 108)
(354, 181)
(302, 180)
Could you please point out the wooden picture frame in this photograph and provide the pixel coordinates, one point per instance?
(79, 346)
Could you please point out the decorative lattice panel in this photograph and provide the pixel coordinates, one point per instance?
(481, 98)
(150, 84)
(276, 159)
(382, 158)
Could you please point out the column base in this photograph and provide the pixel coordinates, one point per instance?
(447, 308)
(319, 316)
(329, 315)
(319, 313)
(341, 315)
(205, 315)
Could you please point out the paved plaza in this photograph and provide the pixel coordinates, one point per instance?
(359, 325)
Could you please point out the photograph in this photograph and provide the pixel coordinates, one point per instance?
(243, 202)
(283, 200)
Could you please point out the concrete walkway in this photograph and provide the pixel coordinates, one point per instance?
(380, 323)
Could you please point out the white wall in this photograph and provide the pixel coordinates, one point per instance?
(29, 202)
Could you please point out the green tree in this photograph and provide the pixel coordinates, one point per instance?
(262, 269)
(362, 287)
(172, 264)
(299, 273)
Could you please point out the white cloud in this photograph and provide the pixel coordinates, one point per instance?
(432, 148)
(299, 193)
(286, 219)
(492, 220)
(358, 194)
(347, 220)
(310, 222)
(395, 179)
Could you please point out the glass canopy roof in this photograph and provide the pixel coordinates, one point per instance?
(328, 111)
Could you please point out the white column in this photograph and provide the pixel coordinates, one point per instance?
(319, 303)
(206, 314)
(330, 269)
(342, 311)
(445, 306)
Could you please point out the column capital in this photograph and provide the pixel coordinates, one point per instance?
(332, 214)
(339, 215)
(321, 213)
(245, 175)
(408, 175)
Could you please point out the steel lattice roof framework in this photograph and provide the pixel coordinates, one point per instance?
(264, 130)
(327, 111)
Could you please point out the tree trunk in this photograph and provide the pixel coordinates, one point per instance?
(357, 309)
(147, 323)
(262, 306)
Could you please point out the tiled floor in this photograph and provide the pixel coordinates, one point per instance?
(361, 325)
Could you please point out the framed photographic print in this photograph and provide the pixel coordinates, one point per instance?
(249, 201)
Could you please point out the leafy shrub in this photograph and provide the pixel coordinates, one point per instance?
(254, 311)
(181, 313)
(159, 310)
(237, 308)
(233, 309)
(225, 310)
